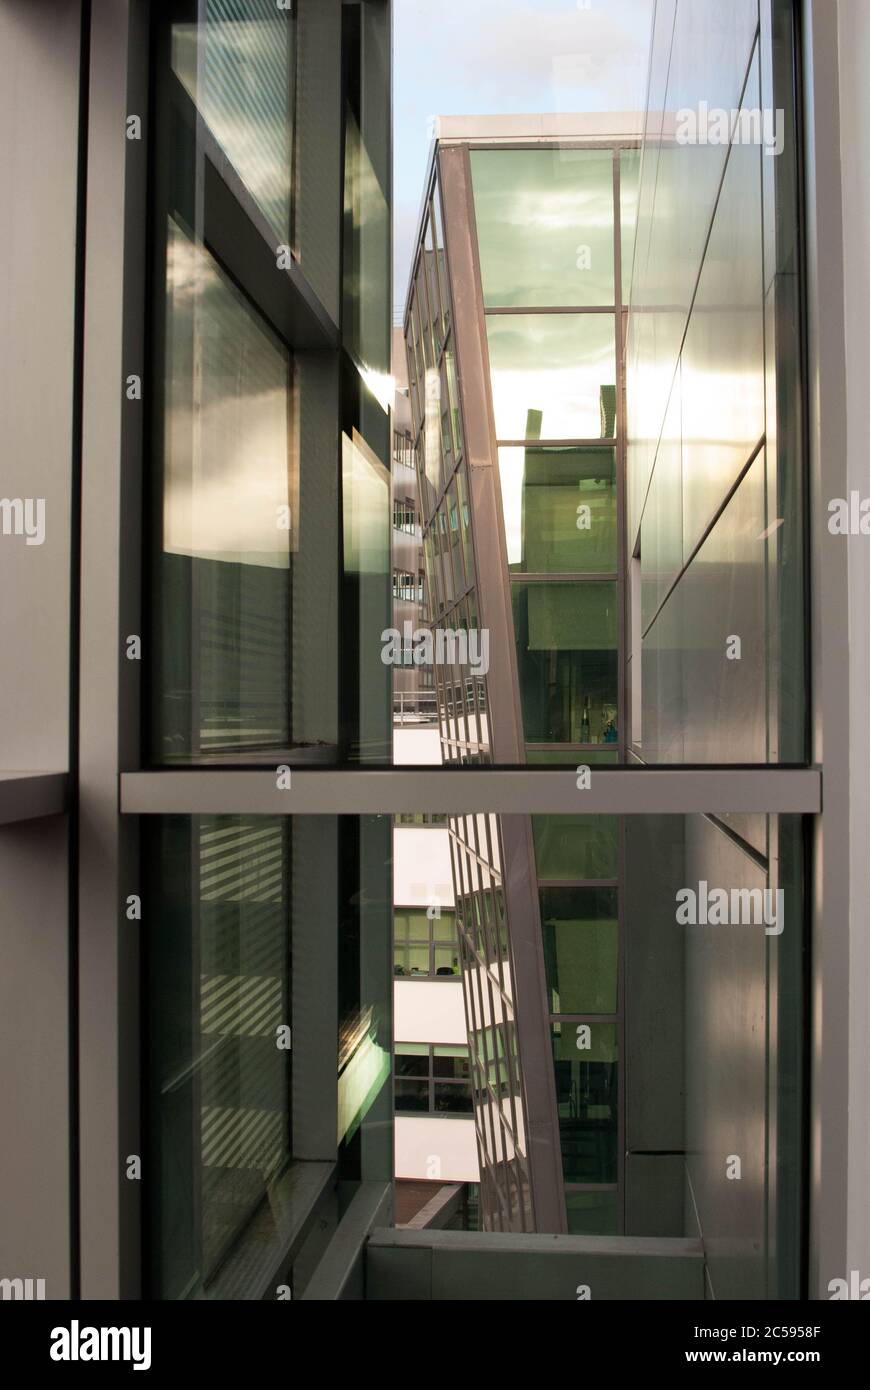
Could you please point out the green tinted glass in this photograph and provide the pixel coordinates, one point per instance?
(545, 226)
(576, 847)
(559, 509)
(238, 65)
(585, 1060)
(629, 171)
(566, 658)
(553, 375)
(580, 935)
(592, 1213)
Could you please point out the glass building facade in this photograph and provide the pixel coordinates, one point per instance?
(627, 412)
(539, 230)
(539, 284)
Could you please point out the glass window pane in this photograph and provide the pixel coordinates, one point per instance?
(239, 70)
(219, 970)
(366, 260)
(576, 847)
(545, 226)
(453, 1100)
(580, 949)
(592, 1213)
(451, 1062)
(444, 927)
(559, 510)
(629, 173)
(453, 391)
(412, 1097)
(585, 1059)
(229, 468)
(446, 960)
(553, 375)
(411, 1065)
(567, 662)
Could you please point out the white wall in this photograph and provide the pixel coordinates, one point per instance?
(421, 867)
(416, 747)
(428, 1011)
(432, 1148)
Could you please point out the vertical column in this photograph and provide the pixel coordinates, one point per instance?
(110, 616)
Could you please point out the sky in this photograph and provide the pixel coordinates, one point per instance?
(497, 57)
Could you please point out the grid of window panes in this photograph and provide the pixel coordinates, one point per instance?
(577, 861)
(405, 515)
(432, 1079)
(446, 515)
(553, 300)
(425, 947)
(496, 1075)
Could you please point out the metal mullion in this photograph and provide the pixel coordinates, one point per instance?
(551, 309)
(393, 791)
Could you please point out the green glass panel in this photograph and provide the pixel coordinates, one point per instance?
(219, 988)
(544, 226)
(366, 261)
(566, 659)
(412, 1063)
(412, 1097)
(576, 847)
(592, 1213)
(453, 390)
(444, 927)
(552, 375)
(446, 960)
(465, 523)
(224, 569)
(629, 172)
(451, 1099)
(559, 510)
(585, 1060)
(580, 933)
(238, 65)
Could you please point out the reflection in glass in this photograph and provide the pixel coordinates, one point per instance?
(545, 227)
(238, 65)
(366, 261)
(580, 949)
(585, 1057)
(567, 663)
(219, 989)
(629, 175)
(575, 847)
(559, 509)
(592, 1213)
(230, 517)
(553, 375)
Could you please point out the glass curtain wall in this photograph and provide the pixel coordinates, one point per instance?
(269, 568)
(548, 224)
